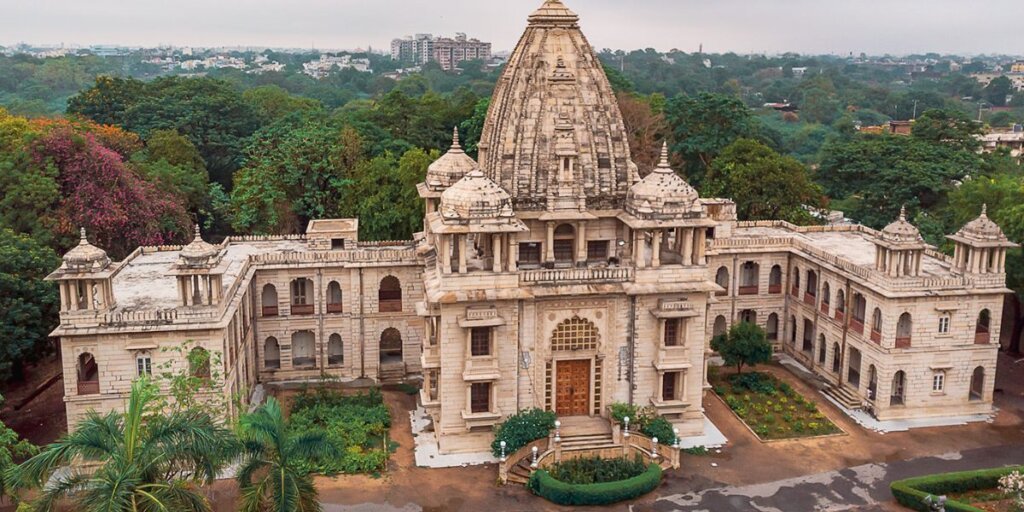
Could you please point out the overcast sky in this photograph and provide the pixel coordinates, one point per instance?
(806, 26)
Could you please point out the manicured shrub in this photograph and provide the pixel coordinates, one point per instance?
(555, 491)
(521, 428)
(911, 492)
(661, 428)
(596, 470)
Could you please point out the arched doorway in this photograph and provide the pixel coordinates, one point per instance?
(872, 382)
(303, 349)
(389, 296)
(564, 244)
(88, 375)
(822, 346)
(773, 326)
(837, 358)
(719, 326)
(981, 329)
(749, 316)
(978, 384)
(750, 274)
(573, 375)
(271, 353)
(268, 299)
(899, 388)
(335, 352)
(390, 346)
(722, 279)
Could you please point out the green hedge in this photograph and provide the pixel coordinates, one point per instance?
(522, 428)
(911, 492)
(543, 485)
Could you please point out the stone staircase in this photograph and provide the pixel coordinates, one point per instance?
(391, 373)
(845, 396)
(577, 433)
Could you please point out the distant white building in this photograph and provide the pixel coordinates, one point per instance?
(328, 63)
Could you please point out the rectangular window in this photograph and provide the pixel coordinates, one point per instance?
(480, 397)
(144, 366)
(944, 324)
(480, 341)
(597, 250)
(563, 250)
(670, 386)
(671, 332)
(529, 253)
(939, 382)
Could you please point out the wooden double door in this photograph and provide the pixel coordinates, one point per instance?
(572, 387)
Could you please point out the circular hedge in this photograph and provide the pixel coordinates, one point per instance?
(544, 485)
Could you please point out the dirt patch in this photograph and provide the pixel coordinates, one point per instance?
(43, 418)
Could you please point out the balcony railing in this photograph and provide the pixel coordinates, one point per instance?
(857, 325)
(840, 315)
(902, 341)
(569, 275)
(981, 338)
(304, 362)
(269, 310)
(775, 288)
(334, 308)
(88, 387)
(809, 298)
(302, 309)
(335, 360)
(748, 290)
(390, 306)
(824, 307)
(272, 363)
(794, 291)
(876, 336)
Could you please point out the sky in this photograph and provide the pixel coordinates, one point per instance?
(742, 26)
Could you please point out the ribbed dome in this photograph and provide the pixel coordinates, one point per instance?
(451, 167)
(663, 194)
(198, 252)
(475, 196)
(982, 229)
(901, 231)
(85, 256)
(552, 110)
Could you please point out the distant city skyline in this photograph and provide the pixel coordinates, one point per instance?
(742, 26)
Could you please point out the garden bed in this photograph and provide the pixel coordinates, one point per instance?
(966, 491)
(595, 481)
(772, 409)
(356, 424)
(989, 500)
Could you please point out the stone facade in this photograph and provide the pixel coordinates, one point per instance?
(553, 276)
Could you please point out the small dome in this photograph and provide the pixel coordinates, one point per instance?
(198, 252)
(982, 228)
(86, 256)
(901, 231)
(451, 167)
(475, 196)
(662, 193)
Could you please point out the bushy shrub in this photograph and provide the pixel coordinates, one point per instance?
(696, 450)
(911, 492)
(754, 382)
(521, 428)
(621, 410)
(661, 428)
(357, 425)
(544, 485)
(596, 470)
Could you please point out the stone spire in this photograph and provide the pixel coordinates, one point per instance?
(451, 167)
(554, 88)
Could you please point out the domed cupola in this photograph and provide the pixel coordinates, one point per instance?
(200, 272)
(198, 253)
(981, 246)
(475, 197)
(663, 194)
(85, 257)
(451, 167)
(899, 248)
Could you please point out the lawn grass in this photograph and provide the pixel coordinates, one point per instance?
(770, 407)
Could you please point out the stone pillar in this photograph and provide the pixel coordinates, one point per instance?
(446, 254)
(656, 248)
(702, 236)
(513, 255)
(639, 258)
(549, 244)
(496, 250)
(687, 250)
(1002, 260)
(581, 244)
(463, 242)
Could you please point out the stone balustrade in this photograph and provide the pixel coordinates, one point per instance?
(570, 275)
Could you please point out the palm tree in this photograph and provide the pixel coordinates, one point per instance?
(148, 460)
(274, 474)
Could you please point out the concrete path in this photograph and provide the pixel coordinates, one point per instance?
(861, 488)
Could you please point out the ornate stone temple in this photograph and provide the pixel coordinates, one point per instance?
(549, 274)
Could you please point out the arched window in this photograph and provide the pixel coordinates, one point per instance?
(271, 353)
(750, 274)
(899, 388)
(199, 363)
(795, 288)
(876, 325)
(565, 243)
(389, 297)
(837, 358)
(773, 326)
(872, 382)
(978, 384)
(269, 300)
(335, 352)
(575, 334)
(334, 297)
(812, 283)
(981, 329)
(792, 329)
(302, 296)
(722, 279)
(749, 316)
(88, 375)
(303, 349)
(391, 346)
(840, 305)
(775, 279)
(719, 327)
(904, 328)
(826, 292)
(853, 368)
(859, 310)
(822, 346)
(808, 340)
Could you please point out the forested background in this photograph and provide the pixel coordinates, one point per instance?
(136, 156)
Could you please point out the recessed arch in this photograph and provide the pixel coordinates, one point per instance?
(389, 295)
(575, 334)
(391, 346)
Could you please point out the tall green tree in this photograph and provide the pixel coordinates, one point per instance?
(11, 447)
(997, 90)
(28, 305)
(274, 475)
(703, 125)
(389, 207)
(744, 345)
(949, 127)
(764, 184)
(148, 460)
